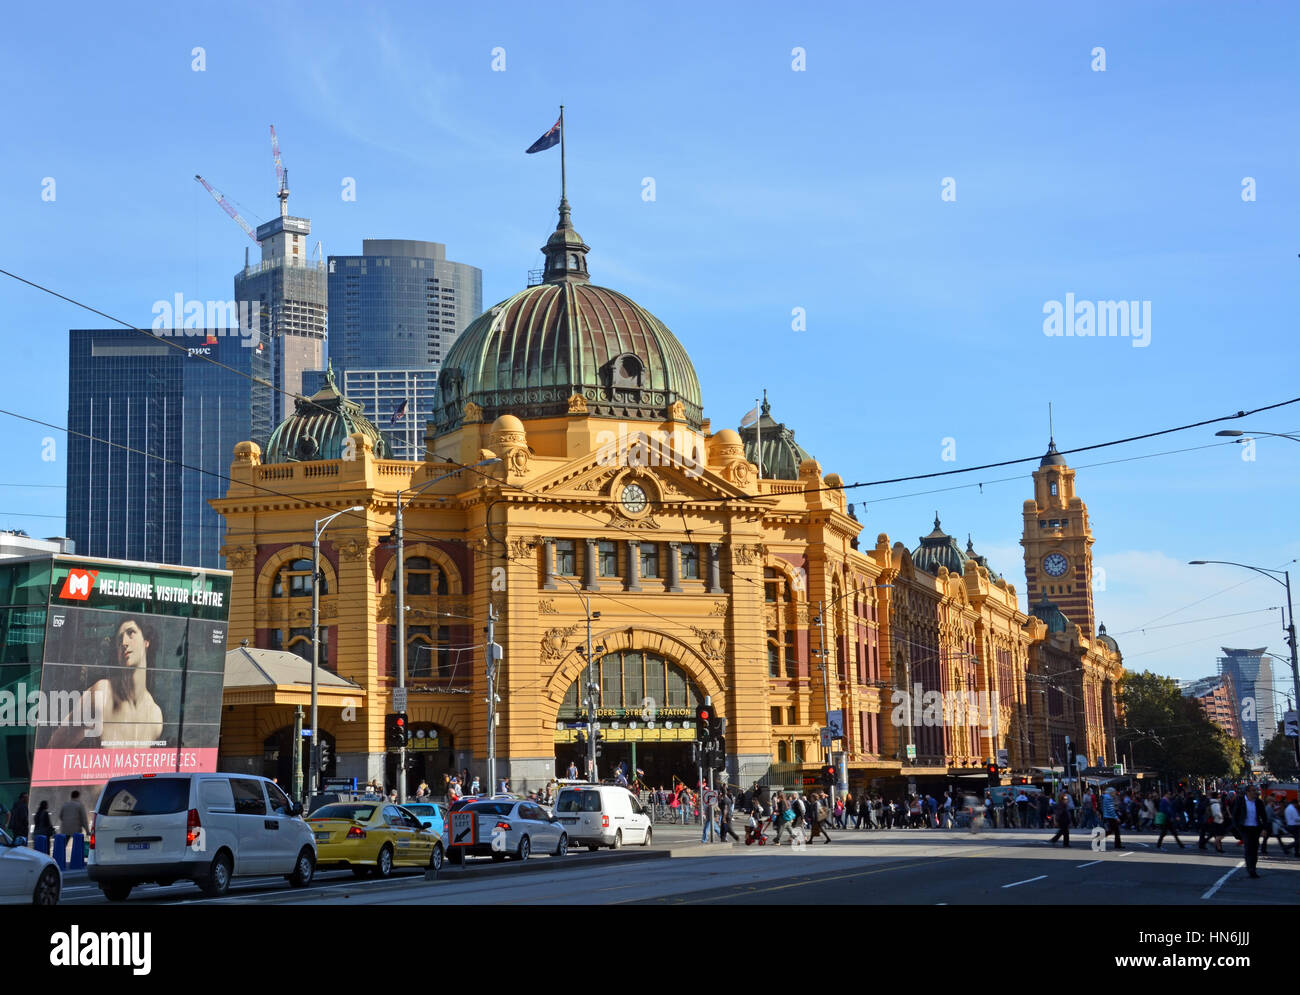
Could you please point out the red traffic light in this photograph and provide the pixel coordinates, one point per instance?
(400, 722)
(704, 714)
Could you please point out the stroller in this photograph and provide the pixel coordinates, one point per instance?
(754, 831)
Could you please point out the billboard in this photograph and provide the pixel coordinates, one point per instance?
(131, 678)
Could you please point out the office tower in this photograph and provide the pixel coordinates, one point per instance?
(164, 424)
(395, 311)
(1252, 677)
(291, 291)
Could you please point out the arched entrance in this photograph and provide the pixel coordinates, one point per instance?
(277, 756)
(646, 710)
(430, 754)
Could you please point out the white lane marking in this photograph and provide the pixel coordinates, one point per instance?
(1025, 881)
(1219, 883)
(1128, 853)
(1090, 863)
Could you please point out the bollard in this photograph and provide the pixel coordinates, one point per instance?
(41, 844)
(78, 860)
(61, 850)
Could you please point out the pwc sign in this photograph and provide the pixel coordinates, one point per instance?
(79, 584)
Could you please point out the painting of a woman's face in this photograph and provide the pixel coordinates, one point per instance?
(131, 647)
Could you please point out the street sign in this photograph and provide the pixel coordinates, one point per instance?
(306, 732)
(911, 751)
(710, 797)
(826, 738)
(399, 699)
(463, 826)
(835, 722)
(1291, 724)
(1004, 758)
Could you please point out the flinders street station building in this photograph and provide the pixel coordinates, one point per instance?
(701, 552)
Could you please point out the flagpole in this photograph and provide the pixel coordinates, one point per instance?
(758, 436)
(563, 188)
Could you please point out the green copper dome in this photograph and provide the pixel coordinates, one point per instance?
(939, 549)
(529, 355)
(319, 428)
(771, 445)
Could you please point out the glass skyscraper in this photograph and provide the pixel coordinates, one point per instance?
(1252, 678)
(394, 312)
(152, 430)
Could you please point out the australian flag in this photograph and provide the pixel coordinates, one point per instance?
(547, 141)
(401, 411)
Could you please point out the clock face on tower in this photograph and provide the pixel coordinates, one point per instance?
(1055, 564)
(633, 499)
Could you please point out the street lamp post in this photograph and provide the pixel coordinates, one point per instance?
(592, 686)
(312, 751)
(401, 625)
(1290, 614)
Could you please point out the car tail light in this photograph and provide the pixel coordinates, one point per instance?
(503, 825)
(93, 817)
(356, 833)
(193, 827)
(604, 822)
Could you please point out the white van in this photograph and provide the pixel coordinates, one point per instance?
(204, 828)
(596, 815)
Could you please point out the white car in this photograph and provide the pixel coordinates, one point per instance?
(26, 875)
(602, 815)
(205, 828)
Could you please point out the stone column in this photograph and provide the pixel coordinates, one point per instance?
(715, 568)
(674, 566)
(590, 580)
(633, 582)
(548, 584)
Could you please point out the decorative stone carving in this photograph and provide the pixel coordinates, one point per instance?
(352, 549)
(522, 547)
(577, 405)
(517, 461)
(713, 644)
(719, 609)
(473, 414)
(477, 545)
(677, 411)
(739, 472)
(555, 641)
(238, 557)
(595, 483)
(617, 521)
(547, 608)
(744, 554)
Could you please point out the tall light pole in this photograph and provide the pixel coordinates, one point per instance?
(322, 524)
(1290, 615)
(1232, 433)
(400, 577)
(593, 687)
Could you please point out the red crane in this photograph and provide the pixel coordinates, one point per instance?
(225, 206)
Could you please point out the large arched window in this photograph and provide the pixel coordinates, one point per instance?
(423, 576)
(627, 678)
(781, 657)
(294, 580)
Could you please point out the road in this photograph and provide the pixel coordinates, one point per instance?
(906, 867)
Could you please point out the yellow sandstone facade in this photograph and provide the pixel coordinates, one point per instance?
(613, 491)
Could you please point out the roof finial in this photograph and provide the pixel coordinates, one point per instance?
(1051, 429)
(936, 520)
(970, 545)
(766, 408)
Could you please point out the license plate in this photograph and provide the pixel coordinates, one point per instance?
(137, 846)
(322, 836)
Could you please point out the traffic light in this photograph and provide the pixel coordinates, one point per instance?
(397, 730)
(717, 727)
(992, 769)
(581, 739)
(828, 776)
(600, 743)
(703, 718)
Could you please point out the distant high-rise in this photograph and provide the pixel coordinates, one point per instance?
(153, 410)
(395, 311)
(1252, 678)
(1218, 702)
(292, 293)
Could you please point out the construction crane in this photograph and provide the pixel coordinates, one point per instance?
(225, 206)
(281, 175)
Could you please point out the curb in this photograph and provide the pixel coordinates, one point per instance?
(453, 872)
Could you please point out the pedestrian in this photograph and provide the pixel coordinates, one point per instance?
(820, 812)
(709, 806)
(726, 807)
(1165, 822)
(72, 816)
(572, 772)
(18, 817)
(1249, 815)
(1111, 816)
(42, 825)
(1291, 816)
(1022, 808)
(1062, 822)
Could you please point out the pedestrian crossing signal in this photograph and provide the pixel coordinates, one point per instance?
(703, 715)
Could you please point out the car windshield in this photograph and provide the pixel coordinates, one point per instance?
(491, 808)
(357, 813)
(146, 796)
(422, 809)
(578, 801)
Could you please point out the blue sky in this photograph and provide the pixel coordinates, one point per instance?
(775, 189)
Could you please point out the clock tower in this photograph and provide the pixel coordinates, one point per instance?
(1058, 543)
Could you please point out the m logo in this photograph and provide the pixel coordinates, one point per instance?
(79, 584)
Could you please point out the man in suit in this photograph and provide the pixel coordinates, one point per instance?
(1250, 816)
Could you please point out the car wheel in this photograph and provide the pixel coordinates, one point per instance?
(562, 848)
(524, 849)
(47, 888)
(384, 865)
(649, 835)
(618, 841)
(116, 891)
(435, 858)
(304, 870)
(217, 883)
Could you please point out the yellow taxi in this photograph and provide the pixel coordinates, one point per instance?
(373, 837)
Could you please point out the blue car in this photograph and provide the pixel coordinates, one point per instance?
(431, 816)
